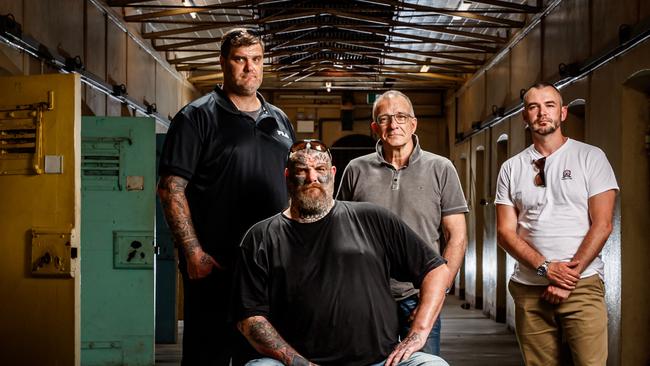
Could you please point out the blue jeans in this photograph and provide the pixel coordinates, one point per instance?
(416, 359)
(404, 308)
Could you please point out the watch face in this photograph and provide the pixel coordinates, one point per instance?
(542, 269)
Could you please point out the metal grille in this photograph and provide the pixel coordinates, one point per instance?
(100, 164)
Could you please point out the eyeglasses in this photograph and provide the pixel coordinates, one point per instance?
(310, 144)
(400, 118)
(540, 178)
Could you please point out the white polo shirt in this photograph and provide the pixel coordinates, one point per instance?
(555, 219)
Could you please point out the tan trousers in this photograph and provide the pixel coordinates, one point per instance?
(582, 318)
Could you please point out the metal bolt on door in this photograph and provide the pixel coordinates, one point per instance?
(117, 236)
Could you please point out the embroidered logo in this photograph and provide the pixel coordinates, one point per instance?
(566, 174)
(283, 134)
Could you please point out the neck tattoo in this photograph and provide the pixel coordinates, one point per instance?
(307, 218)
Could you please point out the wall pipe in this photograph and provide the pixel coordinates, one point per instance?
(11, 35)
(635, 36)
(146, 47)
(513, 42)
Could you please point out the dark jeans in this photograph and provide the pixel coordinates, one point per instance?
(405, 308)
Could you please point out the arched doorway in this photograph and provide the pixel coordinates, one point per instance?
(347, 148)
(574, 124)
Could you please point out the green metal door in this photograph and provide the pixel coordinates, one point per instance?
(117, 220)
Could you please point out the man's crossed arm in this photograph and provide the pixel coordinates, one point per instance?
(563, 276)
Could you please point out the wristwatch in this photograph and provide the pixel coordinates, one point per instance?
(543, 268)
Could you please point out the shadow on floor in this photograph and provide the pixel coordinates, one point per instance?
(471, 339)
(468, 339)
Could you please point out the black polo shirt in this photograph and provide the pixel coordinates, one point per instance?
(325, 286)
(234, 165)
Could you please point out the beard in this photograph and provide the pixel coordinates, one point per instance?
(550, 127)
(312, 200)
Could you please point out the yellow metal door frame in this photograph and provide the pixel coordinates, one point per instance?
(39, 219)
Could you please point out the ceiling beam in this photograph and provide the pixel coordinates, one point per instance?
(510, 5)
(178, 45)
(182, 60)
(466, 45)
(180, 10)
(169, 32)
(452, 13)
(441, 55)
(367, 61)
(314, 51)
(116, 3)
(392, 71)
(431, 28)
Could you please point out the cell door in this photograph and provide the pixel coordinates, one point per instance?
(39, 219)
(118, 213)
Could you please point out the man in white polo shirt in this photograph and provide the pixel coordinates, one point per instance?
(555, 202)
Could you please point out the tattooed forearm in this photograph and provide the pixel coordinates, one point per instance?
(266, 340)
(171, 190)
(263, 333)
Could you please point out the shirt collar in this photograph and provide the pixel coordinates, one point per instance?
(415, 155)
(224, 102)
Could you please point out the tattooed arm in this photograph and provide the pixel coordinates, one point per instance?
(432, 297)
(171, 190)
(267, 341)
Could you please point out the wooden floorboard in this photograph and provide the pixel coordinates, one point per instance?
(469, 338)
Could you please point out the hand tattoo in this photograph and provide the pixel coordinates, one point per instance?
(297, 360)
(411, 339)
(205, 259)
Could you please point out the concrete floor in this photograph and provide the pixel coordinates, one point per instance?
(468, 339)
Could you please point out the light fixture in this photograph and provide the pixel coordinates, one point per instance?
(189, 3)
(424, 68)
(463, 6)
(328, 86)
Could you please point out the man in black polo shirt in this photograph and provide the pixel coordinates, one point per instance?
(221, 171)
(312, 284)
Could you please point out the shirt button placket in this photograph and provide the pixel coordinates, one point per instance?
(395, 183)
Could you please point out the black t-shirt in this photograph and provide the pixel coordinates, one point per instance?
(325, 286)
(234, 165)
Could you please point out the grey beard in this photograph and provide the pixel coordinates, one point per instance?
(312, 209)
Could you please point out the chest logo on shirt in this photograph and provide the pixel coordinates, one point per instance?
(566, 174)
(282, 133)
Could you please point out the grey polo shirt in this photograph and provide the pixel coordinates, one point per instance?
(420, 193)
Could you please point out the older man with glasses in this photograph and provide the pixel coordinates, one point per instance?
(313, 283)
(420, 187)
(221, 171)
(554, 204)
